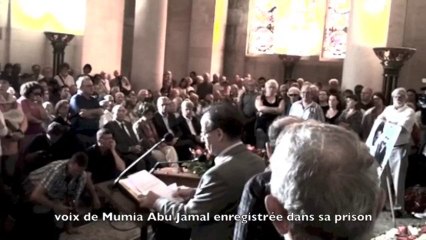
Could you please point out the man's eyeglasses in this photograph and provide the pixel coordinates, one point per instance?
(293, 95)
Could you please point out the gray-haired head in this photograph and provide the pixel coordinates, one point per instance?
(277, 126)
(320, 169)
(399, 97)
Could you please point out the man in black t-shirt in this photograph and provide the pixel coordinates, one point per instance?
(104, 162)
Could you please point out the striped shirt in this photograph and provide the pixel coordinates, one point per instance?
(55, 179)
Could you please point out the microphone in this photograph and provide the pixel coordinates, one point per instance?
(167, 138)
(202, 158)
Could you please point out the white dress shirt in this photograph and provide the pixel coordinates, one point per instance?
(404, 117)
(166, 122)
(310, 111)
(105, 118)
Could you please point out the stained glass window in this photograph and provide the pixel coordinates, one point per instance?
(298, 27)
(336, 29)
(261, 27)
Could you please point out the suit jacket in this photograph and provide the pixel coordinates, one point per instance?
(186, 132)
(253, 202)
(161, 128)
(218, 193)
(146, 132)
(122, 139)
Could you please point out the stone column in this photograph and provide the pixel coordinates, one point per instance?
(208, 25)
(149, 44)
(101, 44)
(5, 31)
(368, 28)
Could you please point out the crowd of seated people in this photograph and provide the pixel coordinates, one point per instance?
(45, 119)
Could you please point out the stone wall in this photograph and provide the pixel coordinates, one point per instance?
(414, 36)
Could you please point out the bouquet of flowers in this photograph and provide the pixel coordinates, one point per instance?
(201, 166)
(404, 233)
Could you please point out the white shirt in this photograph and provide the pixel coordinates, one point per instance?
(68, 80)
(404, 117)
(105, 118)
(191, 127)
(310, 111)
(221, 157)
(166, 122)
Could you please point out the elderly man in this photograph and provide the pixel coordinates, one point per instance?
(402, 115)
(165, 122)
(366, 98)
(293, 95)
(190, 127)
(85, 112)
(334, 86)
(128, 145)
(326, 175)
(221, 186)
(307, 108)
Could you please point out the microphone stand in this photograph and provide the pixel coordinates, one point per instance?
(136, 162)
(159, 163)
(201, 158)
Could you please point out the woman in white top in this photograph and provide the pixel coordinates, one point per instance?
(12, 127)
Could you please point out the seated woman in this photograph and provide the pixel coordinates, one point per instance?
(16, 124)
(145, 130)
(351, 117)
(62, 111)
(269, 106)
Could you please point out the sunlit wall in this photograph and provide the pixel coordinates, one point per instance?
(64, 16)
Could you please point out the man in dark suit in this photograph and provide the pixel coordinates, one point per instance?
(190, 129)
(255, 191)
(163, 121)
(128, 145)
(220, 188)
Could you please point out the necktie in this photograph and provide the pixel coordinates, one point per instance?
(125, 129)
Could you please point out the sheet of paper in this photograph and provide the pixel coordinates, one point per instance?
(142, 182)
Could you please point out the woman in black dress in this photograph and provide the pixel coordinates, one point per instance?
(334, 110)
(269, 106)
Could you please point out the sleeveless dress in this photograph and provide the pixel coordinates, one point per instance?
(265, 120)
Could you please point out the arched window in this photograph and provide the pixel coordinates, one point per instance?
(298, 27)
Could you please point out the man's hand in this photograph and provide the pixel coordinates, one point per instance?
(148, 200)
(184, 192)
(84, 113)
(16, 136)
(112, 145)
(136, 149)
